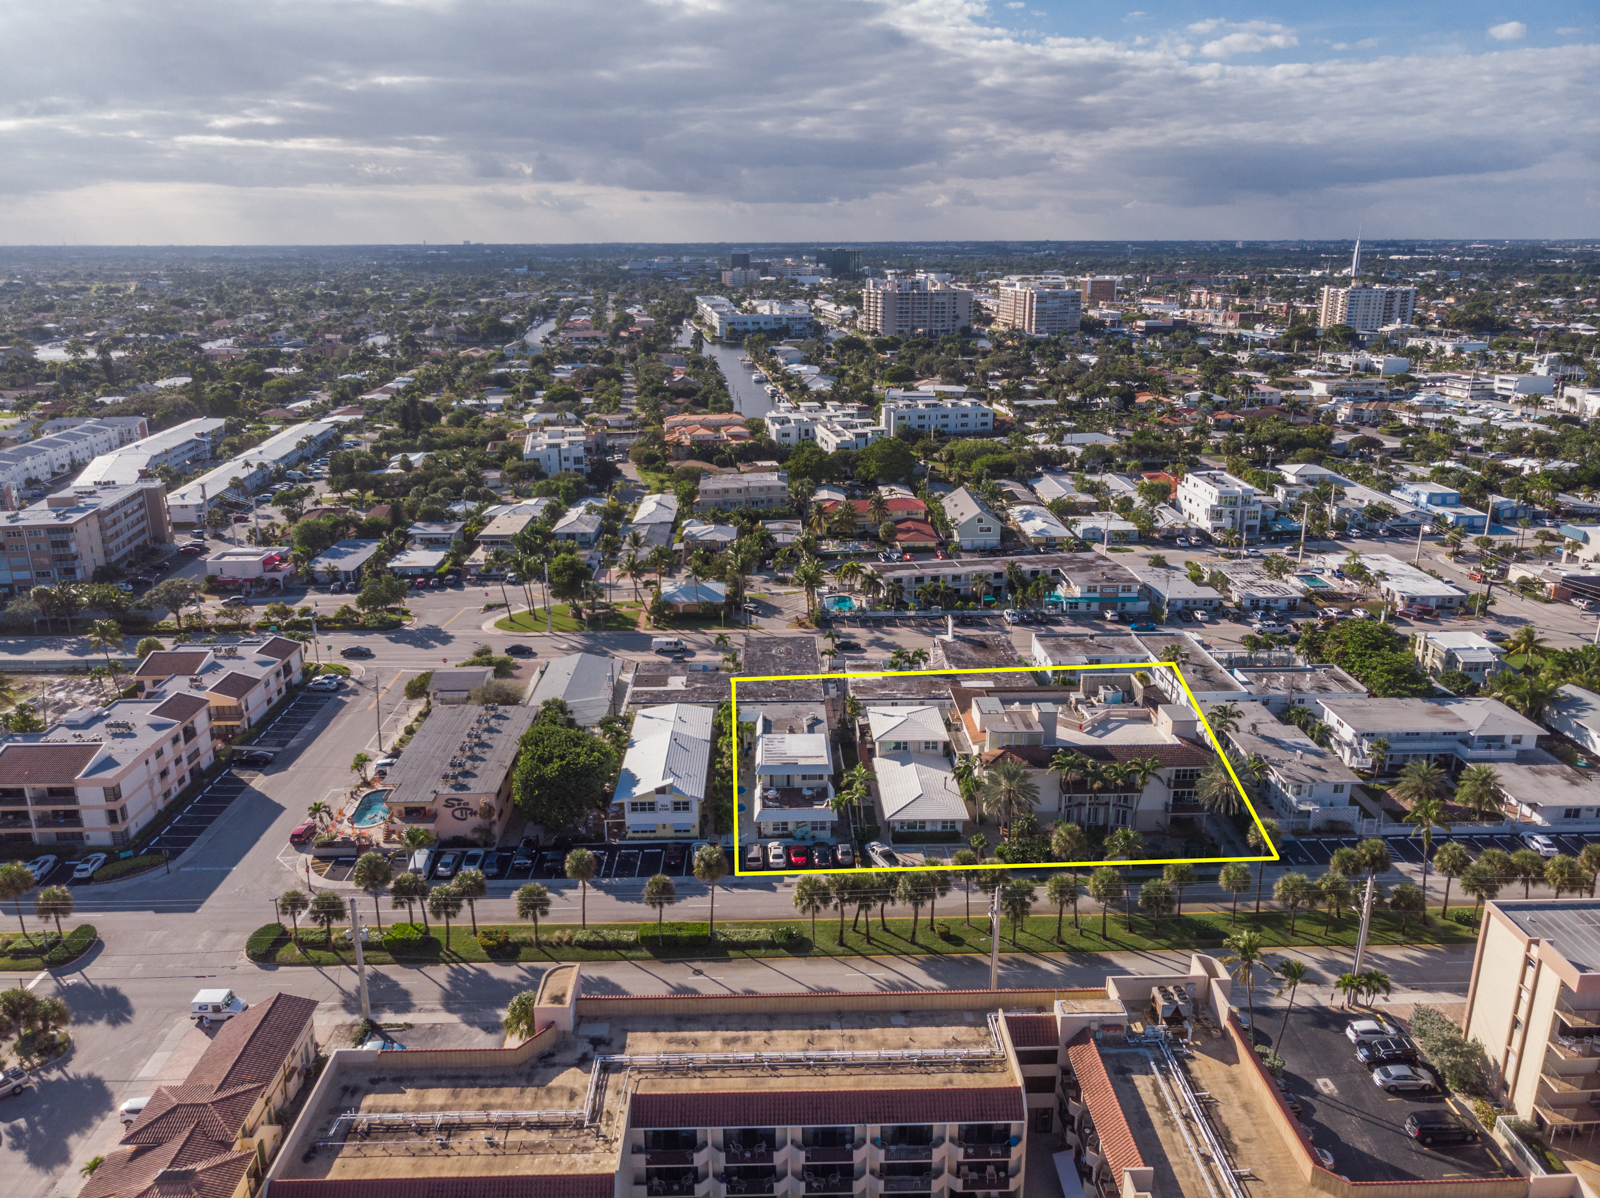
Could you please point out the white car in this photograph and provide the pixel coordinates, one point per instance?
(384, 763)
(325, 682)
(777, 855)
(1363, 1031)
(129, 1111)
(85, 868)
(1400, 1079)
(40, 866)
(882, 855)
(1542, 845)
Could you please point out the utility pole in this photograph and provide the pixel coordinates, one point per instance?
(377, 706)
(1422, 527)
(361, 963)
(994, 939)
(1366, 920)
(547, 610)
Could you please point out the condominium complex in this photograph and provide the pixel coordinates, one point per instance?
(66, 537)
(1098, 289)
(70, 445)
(296, 443)
(929, 412)
(725, 321)
(555, 450)
(1218, 502)
(1367, 309)
(1040, 307)
(176, 448)
(902, 307)
(761, 489)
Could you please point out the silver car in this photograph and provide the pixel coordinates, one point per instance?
(1404, 1079)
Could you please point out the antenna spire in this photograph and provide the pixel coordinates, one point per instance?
(1355, 259)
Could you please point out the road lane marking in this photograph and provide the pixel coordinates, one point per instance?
(40, 978)
(454, 618)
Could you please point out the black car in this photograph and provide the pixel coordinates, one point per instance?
(555, 863)
(1438, 1127)
(821, 856)
(355, 651)
(520, 650)
(253, 759)
(675, 854)
(848, 646)
(1396, 1050)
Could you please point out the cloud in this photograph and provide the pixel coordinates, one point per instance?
(1511, 31)
(885, 119)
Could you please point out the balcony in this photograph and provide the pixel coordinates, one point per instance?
(830, 1156)
(986, 1152)
(749, 1185)
(225, 714)
(60, 820)
(1578, 1016)
(907, 1185)
(1570, 1083)
(1571, 1048)
(973, 1182)
(666, 1157)
(14, 821)
(747, 1156)
(833, 1183)
(676, 1189)
(907, 1152)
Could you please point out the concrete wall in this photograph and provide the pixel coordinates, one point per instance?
(624, 1006)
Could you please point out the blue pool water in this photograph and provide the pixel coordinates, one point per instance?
(841, 603)
(371, 809)
(1315, 582)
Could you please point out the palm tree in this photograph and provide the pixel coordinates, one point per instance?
(1293, 891)
(809, 575)
(533, 902)
(407, 890)
(373, 873)
(1105, 887)
(1427, 812)
(1007, 791)
(1224, 717)
(580, 866)
(1215, 789)
(1069, 843)
(293, 904)
(1290, 973)
(1016, 903)
(660, 892)
(1245, 957)
(1451, 860)
(1234, 878)
(445, 903)
(1061, 889)
(105, 635)
(1478, 790)
(1261, 839)
(711, 866)
(55, 902)
(813, 895)
(1527, 641)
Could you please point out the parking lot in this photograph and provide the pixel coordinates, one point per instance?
(1353, 1119)
(1320, 850)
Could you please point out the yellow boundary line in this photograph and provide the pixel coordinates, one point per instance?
(1126, 665)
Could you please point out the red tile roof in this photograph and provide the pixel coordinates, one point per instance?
(572, 1185)
(168, 1171)
(164, 663)
(181, 707)
(235, 685)
(280, 647)
(915, 532)
(1110, 1124)
(253, 1047)
(816, 1108)
(44, 765)
(1033, 1031)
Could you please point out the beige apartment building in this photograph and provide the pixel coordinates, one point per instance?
(66, 537)
(1367, 309)
(1038, 307)
(901, 307)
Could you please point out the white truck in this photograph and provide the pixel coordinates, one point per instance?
(210, 1006)
(667, 644)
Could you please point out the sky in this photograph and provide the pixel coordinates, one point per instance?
(401, 121)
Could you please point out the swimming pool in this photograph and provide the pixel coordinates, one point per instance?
(1314, 581)
(840, 603)
(371, 809)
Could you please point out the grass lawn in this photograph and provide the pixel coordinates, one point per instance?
(952, 936)
(698, 621)
(19, 954)
(623, 618)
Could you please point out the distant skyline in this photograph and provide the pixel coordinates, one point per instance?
(395, 121)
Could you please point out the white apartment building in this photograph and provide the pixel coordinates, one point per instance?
(847, 433)
(934, 414)
(1040, 307)
(102, 773)
(897, 307)
(1438, 730)
(35, 462)
(555, 450)
(1216, 501)
(296, 443)
(176, 448)
(761, 489)
(1468, 388)
(794, 772)
(662, 785)
(65, 537)
(727, 322)
(1301, 778)
(917, 790)
(241, 687)
(790, 428)
(1367, 309)
(1515, 386)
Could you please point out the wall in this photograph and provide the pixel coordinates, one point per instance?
(624, 1006)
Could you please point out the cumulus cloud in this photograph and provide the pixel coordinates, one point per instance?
(1511, 31)
(880, 118)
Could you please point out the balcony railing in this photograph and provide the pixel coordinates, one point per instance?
(824, 1156)
(986, 1152)
(667, 1157)
(832, 1184)
(1568, 1083)
(1584, 1016)
(975, 1182)
(15, 821)
(1571, 1048)
(908, 1185)
(908, 1152)
(747, 1156)
(678, 1188)
(747, 1185)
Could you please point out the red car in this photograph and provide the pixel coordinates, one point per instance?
(192, 550)
(799, 858)
(302, 833)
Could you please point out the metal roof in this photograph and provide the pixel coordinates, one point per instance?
(670, 745)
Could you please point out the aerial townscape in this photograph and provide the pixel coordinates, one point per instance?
(830, 601)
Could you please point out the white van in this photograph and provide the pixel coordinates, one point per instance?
(421, 862)
(129, 1111)
(210, 1006)
(667, 644)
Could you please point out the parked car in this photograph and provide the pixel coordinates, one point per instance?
(1404, 1079)
(252, 759)
(1439, 1127)
(776, 855)
(84, 870)
(325, 682)
(799, 856)
(755, 857)
(1542, 845)
(473, 859)
(1142, 626)
(303, 832)
(519, 650)
(674, 856)
(355, 651)
(236, 601)
(821, 857)
(15, 1080)
(882, 855)
(848, 646)
(1492, 634)
(129, 1111)
(446, 869)
(846, 856)
(1364, 1031)
(1184, 614)
(384, 764)
(39, 867)
(1398, 1050)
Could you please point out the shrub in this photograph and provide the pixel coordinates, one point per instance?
(606, 938)
(496, 942)
(1270, 1059)
(417, 688)
(128, 865)
(1462, 1061)
(263, 940)
(401, 938)
(75, 944)
(323, 839)
(1466, 915)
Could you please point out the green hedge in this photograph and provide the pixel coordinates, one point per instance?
(693, 935)
(130, 865)
(263, 940)
(77, 943)
(401, 938)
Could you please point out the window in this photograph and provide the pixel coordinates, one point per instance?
(930, 746)
(1186, 774)
(163, 775)
(642, 805)
(682, 805)
(1516, 740)
(1571, 813)
(949, 825)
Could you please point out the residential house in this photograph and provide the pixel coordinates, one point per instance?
(436, 536)
(343, 561)
(686, 596)
(585, 682)
(1171, 587)
(662, 786)
(454, 686)
(1475, 656)
(1254, 589)
(580, 527)
(1039, 526)
(793, 772)
(917, 792)
(1447, 732)
(1443, 503)
(972, 524)
(1305, 784)
(1576, 715)
(1217, 502)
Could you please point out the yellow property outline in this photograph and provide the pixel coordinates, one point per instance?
(1216, 744)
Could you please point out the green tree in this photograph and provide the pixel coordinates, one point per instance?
(359, 764)
(445, 904)
(1155, 898)
(1334, 890)
(1290, 974)
(16, 881)
(147, 646)
(522, 1016)
(292, 904)
(561, 774)
(1564, 875)
(1007, 792)
(533, 902)
(1451, 860)
(1059, 890)
(1016, 903)
(1105, 888)
(660, 892)
(1291, 892)
(1069, 843)
(962, 862)
(1262, 838)
(1180, 876)
(53, 902)
(471, 885)
(373, 873)
(1244, 958)
(580, 867)
(813, 895)
(407, 890)
(1235, 879)
(1478, 790)
(711, 866)
(326, 910)
(568, 575)
(105, 635)
(1407, 901)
